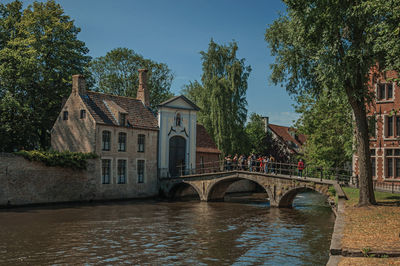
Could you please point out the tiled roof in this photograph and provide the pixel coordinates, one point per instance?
(204, 142)
(283, 133)
(138, 115)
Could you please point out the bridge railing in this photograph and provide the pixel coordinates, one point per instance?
(343, 176)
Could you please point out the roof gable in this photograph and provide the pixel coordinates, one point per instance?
(180, 102)
(284, 134)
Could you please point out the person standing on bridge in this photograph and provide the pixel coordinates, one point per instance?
(300, 167)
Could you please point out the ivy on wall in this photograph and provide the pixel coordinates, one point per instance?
(67, 159)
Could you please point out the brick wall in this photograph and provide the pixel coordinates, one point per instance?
(76, 133)
(24, 182)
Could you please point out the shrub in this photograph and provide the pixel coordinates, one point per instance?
(332, 191)
(67, 159)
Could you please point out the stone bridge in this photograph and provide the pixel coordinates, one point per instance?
(281, 189)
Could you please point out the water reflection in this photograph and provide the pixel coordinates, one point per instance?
(169, 233)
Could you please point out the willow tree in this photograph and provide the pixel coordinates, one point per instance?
(221, 95)
(333, 44)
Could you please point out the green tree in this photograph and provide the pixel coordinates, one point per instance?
(117, 73)
(334, 44)
(221, 95)
(326, 120)
(255, 131)
(39, 52)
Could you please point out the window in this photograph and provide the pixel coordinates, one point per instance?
(373, 162)
(122, 119)
(122, 141)
(141, 143)
(105, 171)
(392, 126)
(65, 115)
(392, 159)
(372, 126)
(83, 114)
(121, 171)
(106, 140)
(140, 171)
(385, 91)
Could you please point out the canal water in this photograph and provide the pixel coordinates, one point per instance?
(160, 233)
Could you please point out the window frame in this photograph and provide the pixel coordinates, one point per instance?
(392, 160)
(141, 142)
(122, 178)
(103, 172)
(122, 145)
(83, 114)
(384, 91)
(122, 119)
(65, 115)
(105, 147)
(140, 170)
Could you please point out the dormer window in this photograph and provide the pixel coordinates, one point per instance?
(122, 119)
(65, 115)
(384, 91)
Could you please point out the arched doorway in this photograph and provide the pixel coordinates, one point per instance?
(177, 150)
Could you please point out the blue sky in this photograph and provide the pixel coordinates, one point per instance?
(175, 31)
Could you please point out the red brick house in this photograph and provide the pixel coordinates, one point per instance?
(206, 149)
(384, 126)
(287, 139)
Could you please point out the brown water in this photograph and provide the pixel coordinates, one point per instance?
(151, 232)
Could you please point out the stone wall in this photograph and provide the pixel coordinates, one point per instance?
(23, 182)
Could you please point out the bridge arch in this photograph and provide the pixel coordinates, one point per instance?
(217, 190)
(182, 189)
(286, 200)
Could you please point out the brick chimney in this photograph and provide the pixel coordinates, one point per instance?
(265, 120)
(78, 84)
(143, 93)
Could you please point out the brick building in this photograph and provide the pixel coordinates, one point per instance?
(384, 126)
(121, 130)
(133, 145)
(288, 141)
(207, 152)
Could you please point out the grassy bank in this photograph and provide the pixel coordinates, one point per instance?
(372, 229)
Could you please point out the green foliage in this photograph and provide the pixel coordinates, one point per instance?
(259, 142)
(67, 159)
(332, 45)
(117, 73)
(39, 52)
(332, 191)
(255, 131)
(327, 122)
(221, 95)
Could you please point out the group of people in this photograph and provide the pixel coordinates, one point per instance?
(250, 163)
(255, 163)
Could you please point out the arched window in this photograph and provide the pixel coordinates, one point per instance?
(106, 140)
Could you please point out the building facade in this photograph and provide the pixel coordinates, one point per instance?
(135, 148)
(121, 130)
(384, 126)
